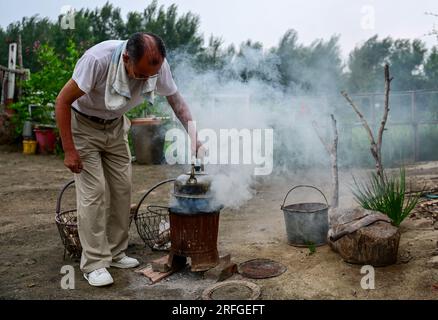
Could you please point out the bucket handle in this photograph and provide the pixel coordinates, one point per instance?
(58, 201)
(147, 193)
(303, 186)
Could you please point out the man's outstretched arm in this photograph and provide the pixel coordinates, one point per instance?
(69, 94)
(182, 112)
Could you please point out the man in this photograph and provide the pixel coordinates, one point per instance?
(109, 79)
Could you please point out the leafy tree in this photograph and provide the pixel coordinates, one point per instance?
(365, 65)
(406, 59)
(324, 67)
(316, 68)
(431, 69)
(43, 86)
(291, 56)
(214, 57)
(180, 32)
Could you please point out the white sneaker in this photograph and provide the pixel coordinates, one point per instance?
(125, 263)
(99, 278)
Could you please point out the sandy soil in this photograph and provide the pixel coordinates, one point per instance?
(31, 254)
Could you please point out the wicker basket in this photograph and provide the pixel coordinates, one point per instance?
(68, 227)
(152, 222)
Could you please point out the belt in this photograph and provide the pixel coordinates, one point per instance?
(95, 119)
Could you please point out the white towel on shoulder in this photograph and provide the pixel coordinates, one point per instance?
(117, 90)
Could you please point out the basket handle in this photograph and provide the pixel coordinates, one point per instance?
(147, 193)
(303, 186)
(58, 201)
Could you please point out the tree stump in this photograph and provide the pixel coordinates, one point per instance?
(375, 244)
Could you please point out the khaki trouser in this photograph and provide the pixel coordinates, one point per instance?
(103, 190)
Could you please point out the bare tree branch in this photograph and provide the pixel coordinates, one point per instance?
(386, 105)
(376, 148)
(326, 146)
(361, 117)
(332, 150)
(334, 158)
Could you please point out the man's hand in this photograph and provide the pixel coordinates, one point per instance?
(182, 111)
(200, 150)
(72, 160)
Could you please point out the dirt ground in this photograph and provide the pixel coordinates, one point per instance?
(31, 254)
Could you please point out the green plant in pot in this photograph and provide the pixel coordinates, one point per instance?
(374, 239)
(386, 195)
(41, 90)
(148, 128)
(46, 132)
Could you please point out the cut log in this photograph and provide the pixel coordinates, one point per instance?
(375, 244)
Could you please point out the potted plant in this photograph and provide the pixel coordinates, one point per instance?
(148, 130)
(386, 195)
(45, 130)
(39, 93)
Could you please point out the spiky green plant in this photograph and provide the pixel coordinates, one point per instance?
(386, 195)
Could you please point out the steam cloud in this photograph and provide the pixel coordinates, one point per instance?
(220, 103)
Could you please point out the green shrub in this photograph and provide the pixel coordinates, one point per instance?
(386, 195)
(43, 86)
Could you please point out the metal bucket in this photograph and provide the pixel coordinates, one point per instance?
(306, 223)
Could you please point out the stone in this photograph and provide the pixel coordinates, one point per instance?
(29, 262)
(161, 265)
(221, 272)
(422, 223)
(224, 259)
(155, 276)
(405, 257)
(433, 262)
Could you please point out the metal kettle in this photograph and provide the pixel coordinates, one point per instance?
(193, 184)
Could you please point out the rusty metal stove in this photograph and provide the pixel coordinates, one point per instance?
(194, 222)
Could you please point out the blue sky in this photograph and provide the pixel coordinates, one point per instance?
(266, 21)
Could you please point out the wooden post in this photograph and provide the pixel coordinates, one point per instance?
(20, 66)
(9, 97)
(332, 150)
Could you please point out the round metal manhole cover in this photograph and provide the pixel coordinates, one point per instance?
(261, 269)
(232, 290)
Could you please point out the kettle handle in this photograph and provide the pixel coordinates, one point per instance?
(192, 178)
(303, 186)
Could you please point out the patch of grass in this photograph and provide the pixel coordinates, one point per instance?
(386, 195)
(312, 247)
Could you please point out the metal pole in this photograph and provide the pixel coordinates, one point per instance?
(415, 126)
